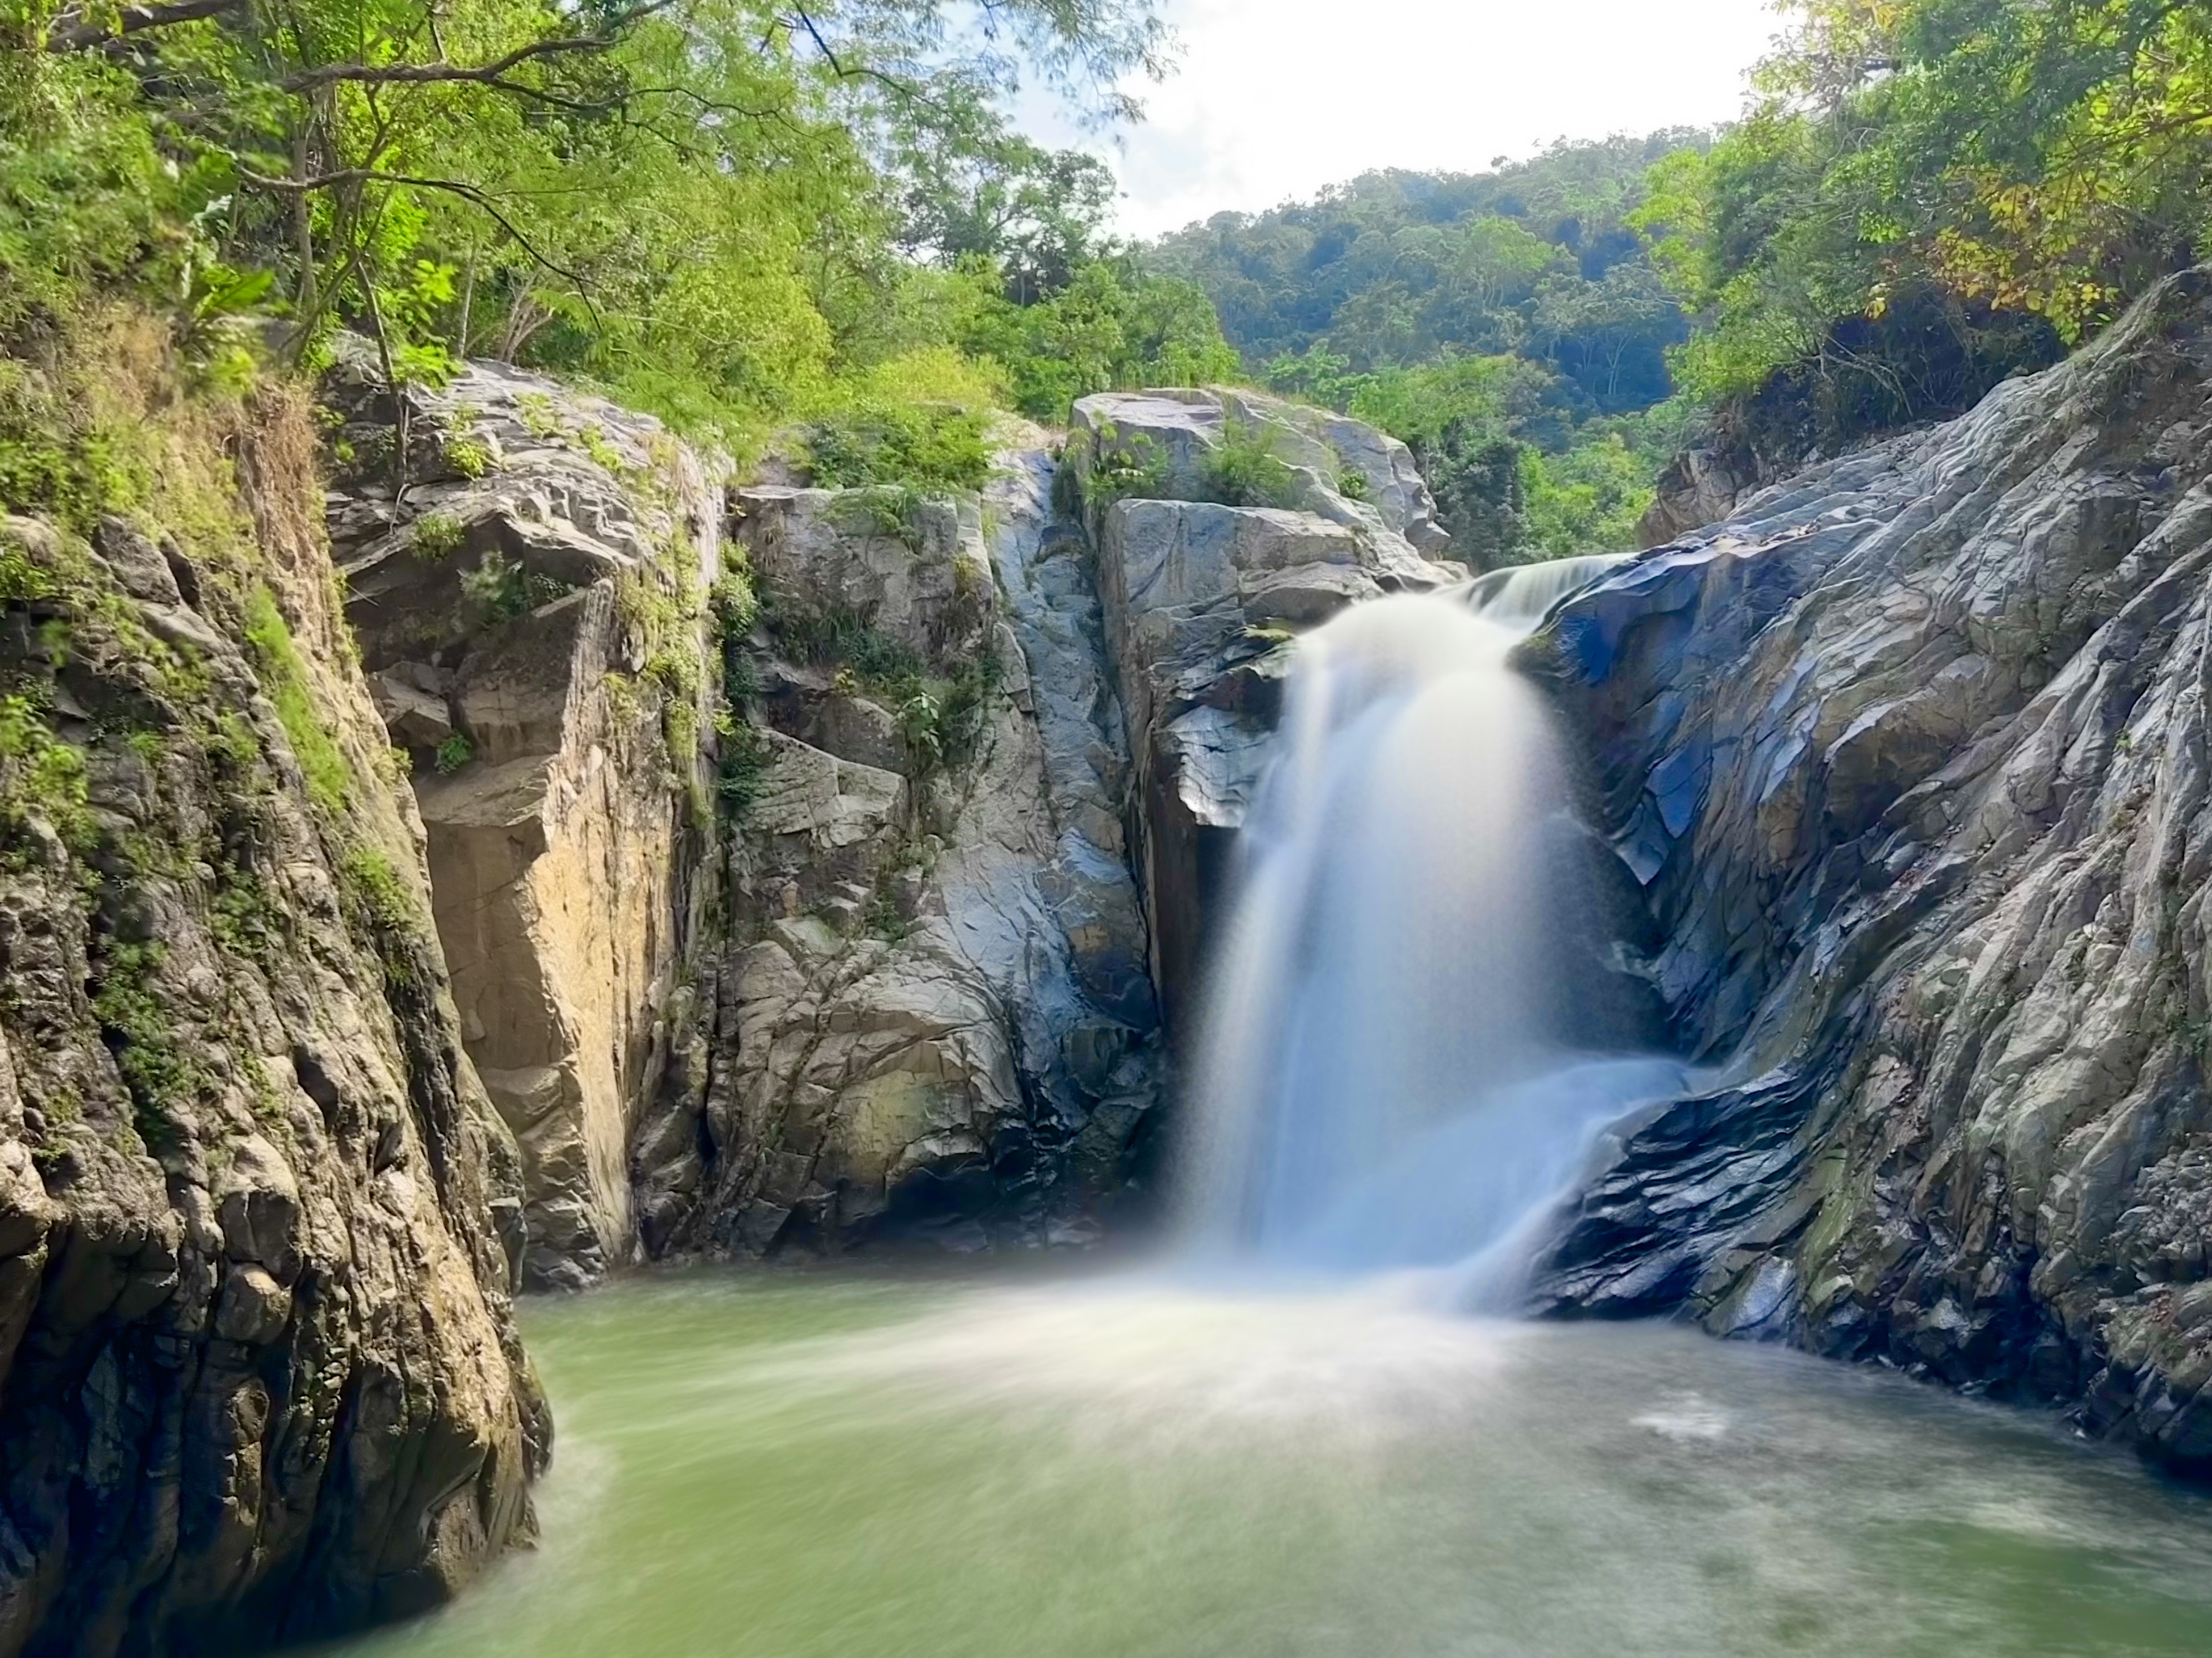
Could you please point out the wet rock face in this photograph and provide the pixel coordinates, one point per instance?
(933, 1018)
(1910, 757)
(530, 610)
(1201, 600)
(257, 1219)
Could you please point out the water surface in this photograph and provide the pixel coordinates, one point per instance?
(817, 1465)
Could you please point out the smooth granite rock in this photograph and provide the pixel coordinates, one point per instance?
(1910, 757)
(535, 599)
(933, 1019)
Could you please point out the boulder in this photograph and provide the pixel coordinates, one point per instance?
(1199, 598)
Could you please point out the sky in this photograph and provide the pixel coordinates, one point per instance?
(1276, 99)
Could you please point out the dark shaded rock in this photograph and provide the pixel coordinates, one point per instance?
(262, 1380)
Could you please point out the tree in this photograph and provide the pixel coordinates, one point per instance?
(1115, 326)
(1934, 193)
(1038, 215)
(611, 179)
(1609, 332)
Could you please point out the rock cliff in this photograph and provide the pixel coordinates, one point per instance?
(932, 1018)
(258, 1223)
(834, 908)
(991, 752)
(529, 589)
(1911, 758)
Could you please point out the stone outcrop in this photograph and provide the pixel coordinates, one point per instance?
(1202, 597)
(258, 1223)
(531, 608)
(1698, 487)
(933, 1018)
(1911, 758)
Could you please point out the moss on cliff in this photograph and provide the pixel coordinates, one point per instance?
(224, 1042)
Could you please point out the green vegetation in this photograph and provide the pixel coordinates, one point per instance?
(891, 510)
(1243, 469)
(129, 1003)
(468, 457)
(40, 777)
(382, 909)
(437, 536)
(740, 215)
(329, 778)
(1929, 195)
(1115, 325)
(940, 718)
(745, 758)
(1112, 465)
(507, 588)
(1500, 323)
(888, 444)
(1932, 195)
(451, 754)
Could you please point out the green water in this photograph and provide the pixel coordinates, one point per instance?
(817, 1465)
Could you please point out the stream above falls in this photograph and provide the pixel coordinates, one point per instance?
(816, 1463)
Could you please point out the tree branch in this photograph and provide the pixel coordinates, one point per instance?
(421, 74)
(605, 38)
(482, 200)
(905, 89)
(71, 33)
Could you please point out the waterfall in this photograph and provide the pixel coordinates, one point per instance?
(1408, 1046)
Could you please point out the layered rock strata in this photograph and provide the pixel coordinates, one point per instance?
(529, 590)
(258, 1222)
(1911, 758)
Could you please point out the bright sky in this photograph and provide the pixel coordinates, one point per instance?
(1278, 97)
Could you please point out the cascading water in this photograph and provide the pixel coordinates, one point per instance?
(1410, 1039)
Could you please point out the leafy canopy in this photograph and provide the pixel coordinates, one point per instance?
(1932, 194)
(715, 207)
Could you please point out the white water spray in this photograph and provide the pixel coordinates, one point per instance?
(1404, 1060)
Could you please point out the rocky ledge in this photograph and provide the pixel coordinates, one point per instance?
(1207, 569)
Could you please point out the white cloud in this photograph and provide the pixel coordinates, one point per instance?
(1277, 98)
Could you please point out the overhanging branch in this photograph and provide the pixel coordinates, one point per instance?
(72, 33)
(480, 199)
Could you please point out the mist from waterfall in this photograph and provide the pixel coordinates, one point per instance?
(1409, 1040)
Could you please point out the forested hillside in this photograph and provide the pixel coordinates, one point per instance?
(1923, 197)
(1508, 324)
(741, 216)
